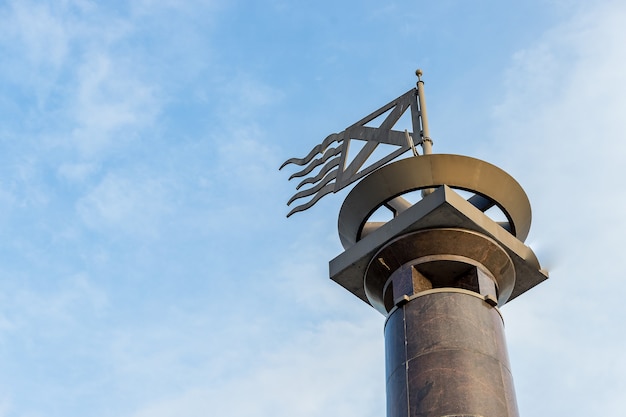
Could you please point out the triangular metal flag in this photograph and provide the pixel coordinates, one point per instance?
(337, 171)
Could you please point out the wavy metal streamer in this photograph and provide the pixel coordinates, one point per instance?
(317, 162)
(328, 178)
(330, 165)
(334, 137)
(325, 190)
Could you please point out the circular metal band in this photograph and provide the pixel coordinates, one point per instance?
(429, 171)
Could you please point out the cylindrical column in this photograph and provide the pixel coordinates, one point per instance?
(446, 357)
(444, 336)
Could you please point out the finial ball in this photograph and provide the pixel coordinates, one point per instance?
(419, 72)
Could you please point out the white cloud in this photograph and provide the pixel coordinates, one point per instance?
(325, 371)
(76, 172)
(5, 406)
(40, 314)
(42, 36)
(126, 204)
(111, 104)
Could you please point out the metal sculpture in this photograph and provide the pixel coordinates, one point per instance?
(438, 270)
(336, 173)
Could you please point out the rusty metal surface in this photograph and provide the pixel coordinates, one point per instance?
(446, 356)
(443, 208)
(429, 171)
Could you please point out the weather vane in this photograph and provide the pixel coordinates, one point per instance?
(337, 172)
(438, 270)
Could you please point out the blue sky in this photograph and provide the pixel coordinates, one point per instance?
(146, 265)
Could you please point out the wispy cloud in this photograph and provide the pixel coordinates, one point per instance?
(295, 379)
(125, 205)
(111, 105)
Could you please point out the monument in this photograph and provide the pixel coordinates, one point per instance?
(438, 269)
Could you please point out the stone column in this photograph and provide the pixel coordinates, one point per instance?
(446, 356)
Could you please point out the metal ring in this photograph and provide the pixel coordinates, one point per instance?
(429, 171)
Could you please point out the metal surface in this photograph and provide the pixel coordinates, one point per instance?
(439, 247)
(336, 170)
(446, 356)
(427, 171)
(427, 142)
(444, 208)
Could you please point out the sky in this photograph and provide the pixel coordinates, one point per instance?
(147, 268)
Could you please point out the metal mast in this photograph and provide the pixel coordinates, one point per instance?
(438, 271)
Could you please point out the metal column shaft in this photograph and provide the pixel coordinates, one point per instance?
(446, 357)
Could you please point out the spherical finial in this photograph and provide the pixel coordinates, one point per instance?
(419, 74)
